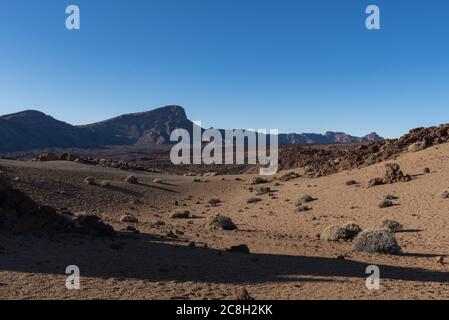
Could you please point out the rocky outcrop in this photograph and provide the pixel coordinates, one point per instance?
(323, 161)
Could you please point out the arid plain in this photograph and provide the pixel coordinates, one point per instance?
(158, 255)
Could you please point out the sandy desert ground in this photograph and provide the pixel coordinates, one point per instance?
(182, 259)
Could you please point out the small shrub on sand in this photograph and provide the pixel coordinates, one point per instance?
(385, 203)
(390, 197)
(352, 229)
(345, 232)
(306, 199)
(219, 222)
(214, 201)
(253, 200)
(258, 180)
(391, 225)
(376, 241)
(375, 182)
(289, 176)
(444, 194)
(263, 190)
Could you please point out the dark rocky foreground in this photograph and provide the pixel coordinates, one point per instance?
(19, 214)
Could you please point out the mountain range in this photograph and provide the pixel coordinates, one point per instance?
(30, 129)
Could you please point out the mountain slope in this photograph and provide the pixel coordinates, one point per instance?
(146, 127)
(32, 129)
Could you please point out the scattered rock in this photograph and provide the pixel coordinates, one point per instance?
(219, 222)
(351, 182)
(105, 183)
(91, 224)
(132, 229)
(90, 181)
(158, 223)
(69, 157)
(243, 295)
(418, 146)
(426, 170)
(394, 174)
(131, 179)
(376, 241)
(157, 180)
(242, 248)
(440, 260)
(184, 214)
(289, 176)
(128, 219)
(48, 156)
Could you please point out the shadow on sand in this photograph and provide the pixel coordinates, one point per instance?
(157, 187)
(159, 259)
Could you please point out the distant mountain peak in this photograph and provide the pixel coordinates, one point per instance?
(25, 114)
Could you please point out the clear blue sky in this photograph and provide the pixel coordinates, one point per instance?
(298, 66)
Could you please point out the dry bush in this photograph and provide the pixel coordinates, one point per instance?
(376, 241)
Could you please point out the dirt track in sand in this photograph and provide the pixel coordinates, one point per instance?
(287, 260)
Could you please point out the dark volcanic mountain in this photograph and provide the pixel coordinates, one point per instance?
(153, 127)
(34, 130)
